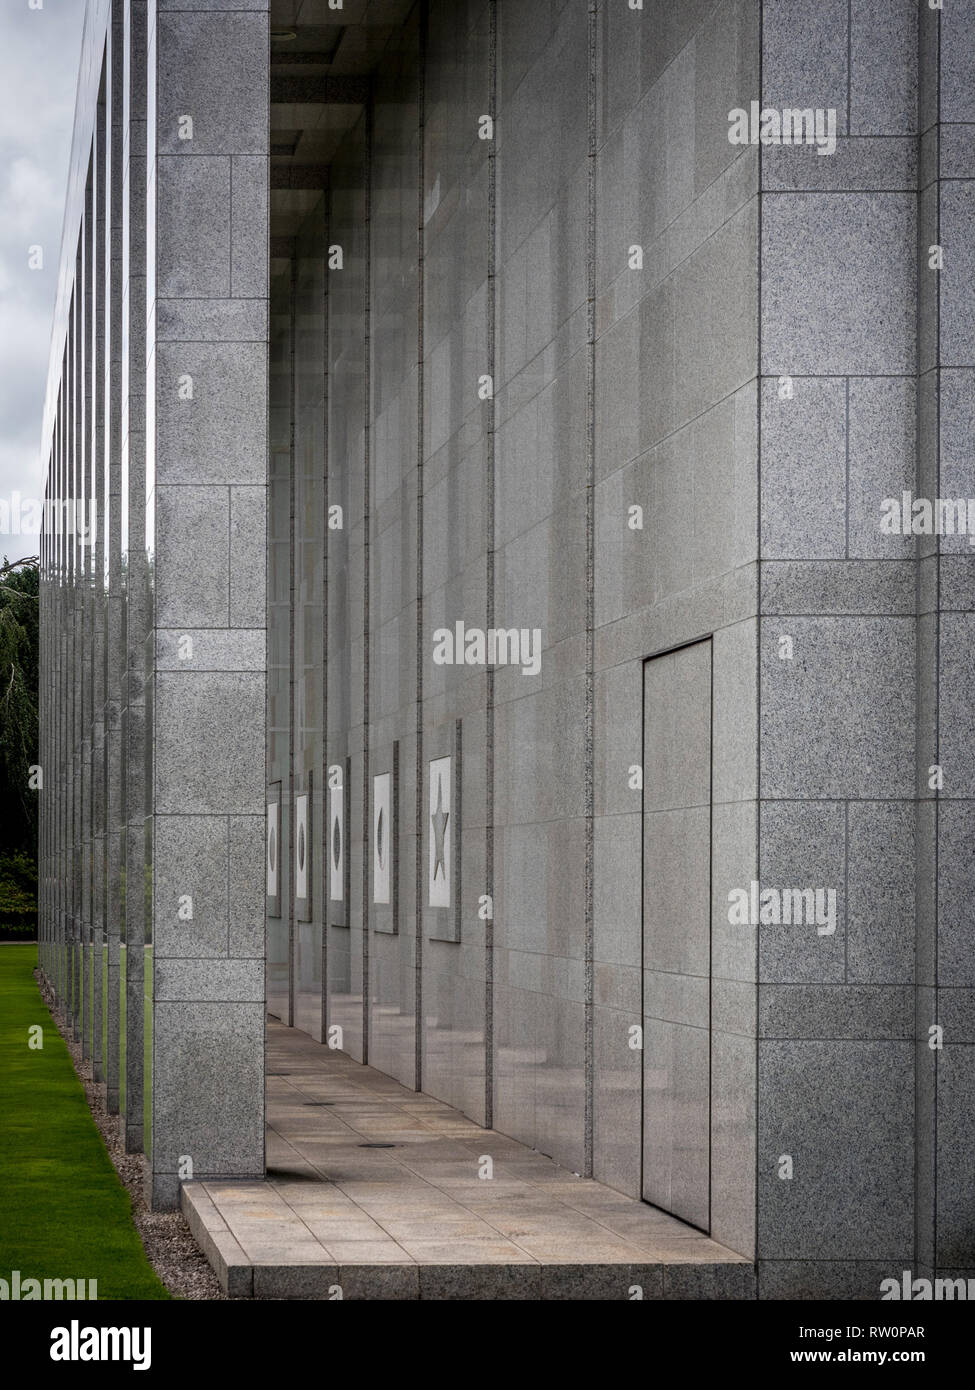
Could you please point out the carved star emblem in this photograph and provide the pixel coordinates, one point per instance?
(439, 819)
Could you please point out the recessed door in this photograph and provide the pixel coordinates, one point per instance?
(677, 932)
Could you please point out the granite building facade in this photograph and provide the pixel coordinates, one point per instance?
(475, 627)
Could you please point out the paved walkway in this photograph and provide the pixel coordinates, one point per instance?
(374, 1190)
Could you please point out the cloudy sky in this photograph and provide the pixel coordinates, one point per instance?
(40, 51)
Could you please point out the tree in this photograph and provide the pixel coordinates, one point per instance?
(18, 737)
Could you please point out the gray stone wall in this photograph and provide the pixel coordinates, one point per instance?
(525, 387)
(675, 434)
(345, 696)
(394, 946)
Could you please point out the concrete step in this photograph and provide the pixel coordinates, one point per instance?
(377, 1191)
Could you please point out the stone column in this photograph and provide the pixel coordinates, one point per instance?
(86, 289)
(113, 763)
(132, 543)
(76, 476)
(835, 1165)
(96, 550)
(945, 994)
(206, 469)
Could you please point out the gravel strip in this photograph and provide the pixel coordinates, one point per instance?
(168, 1242)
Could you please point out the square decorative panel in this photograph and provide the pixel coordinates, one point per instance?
(382, 837)
(336, 844)
(440, 832)
(272, 853)
(302, 851)
(444, 830)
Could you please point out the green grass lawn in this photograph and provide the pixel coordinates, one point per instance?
(63, 1212)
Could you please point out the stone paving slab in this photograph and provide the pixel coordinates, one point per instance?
(415, 1220)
